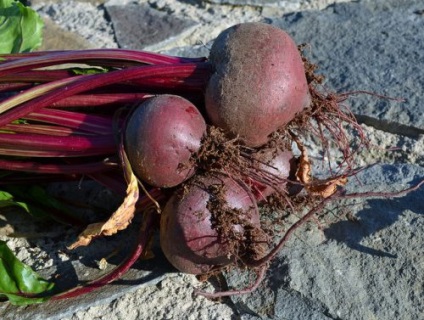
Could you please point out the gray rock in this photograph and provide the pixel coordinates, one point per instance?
(376, 46)
(190, 51)
(138, 26)
(81, 18)
(368, 267)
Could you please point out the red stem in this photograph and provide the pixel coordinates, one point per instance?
(144, 236)
(38, 76)
(74, 120)
(139, 88)
(101, 57)
(8, 87)
(28, 142)
(101, 99)
(17, 56)
(44, 76)
(291, 230)
(59, 168)
(20, 152)
(25, 179)
(40, 129)
(86, 83)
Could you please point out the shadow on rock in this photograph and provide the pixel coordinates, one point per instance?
(376, 215)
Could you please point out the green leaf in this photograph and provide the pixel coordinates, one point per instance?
(7, 200)
(18, 282)
(20, 121)
(41, 204)
(20, 27)
(87, 71)
(37, 194)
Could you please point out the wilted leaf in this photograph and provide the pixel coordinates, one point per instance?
(326, 188)
(303, 173)
(119, 220)
(323, 188)
(18, 282)
(20, 27)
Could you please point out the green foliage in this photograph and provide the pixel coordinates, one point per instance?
(36, 201)
(18, 282)
(20, 27)
(7, 200)
(88, 71)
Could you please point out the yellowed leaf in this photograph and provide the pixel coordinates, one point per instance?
(119, 220)
(324, 188)
(303, 172)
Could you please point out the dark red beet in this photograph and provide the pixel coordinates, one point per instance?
(188, 235)
(161, 136)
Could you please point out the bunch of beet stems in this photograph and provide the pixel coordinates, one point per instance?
(58, 124)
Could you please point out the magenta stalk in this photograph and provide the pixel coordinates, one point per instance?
(100, 57)
(74, 120)
(144, 236)
(59, 168)
(86, 83)
(93, 145)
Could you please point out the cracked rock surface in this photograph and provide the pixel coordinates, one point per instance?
(365, 258)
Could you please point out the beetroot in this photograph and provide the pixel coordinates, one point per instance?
(160, 138)
(259, 82)
(203, 225)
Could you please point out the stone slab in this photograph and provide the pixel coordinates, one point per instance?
(375, 46)
(365, 267)
(56, 38)
(84, 19)
(350, 270)
(138, 26)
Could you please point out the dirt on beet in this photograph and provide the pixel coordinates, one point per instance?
(245, 241)
(251, 246)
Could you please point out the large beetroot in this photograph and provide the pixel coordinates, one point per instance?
(259, 82)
